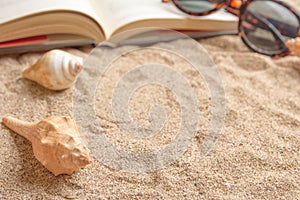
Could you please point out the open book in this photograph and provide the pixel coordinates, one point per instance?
(71, 21)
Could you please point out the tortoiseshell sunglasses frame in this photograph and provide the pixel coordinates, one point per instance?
(238, 7)
(231, 6)
(280, 53)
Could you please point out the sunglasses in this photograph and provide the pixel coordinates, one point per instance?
(269, 27)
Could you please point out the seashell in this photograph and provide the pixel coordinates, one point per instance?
(294, 46)
(55, 70)
(55, 141)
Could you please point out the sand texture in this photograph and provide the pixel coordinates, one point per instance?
(255, 157)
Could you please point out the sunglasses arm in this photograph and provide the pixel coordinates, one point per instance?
(294, 46)
(258, 21)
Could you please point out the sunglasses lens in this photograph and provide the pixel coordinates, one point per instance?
(267, 25)
(197, 7)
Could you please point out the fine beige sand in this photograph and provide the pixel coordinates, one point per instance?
(255, 157)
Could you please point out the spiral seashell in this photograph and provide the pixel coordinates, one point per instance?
(294, 46)
(55, 70)
(55, 141)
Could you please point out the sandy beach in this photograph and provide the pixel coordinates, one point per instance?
(255, 157)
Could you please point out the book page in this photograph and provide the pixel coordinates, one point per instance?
(115, 13)
(13, 9)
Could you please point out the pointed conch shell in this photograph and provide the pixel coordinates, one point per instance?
(55, 70)
(294, 46)
(55, 141)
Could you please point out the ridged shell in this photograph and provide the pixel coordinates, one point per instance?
(55, 70)
(55, 141)
(294, 46)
